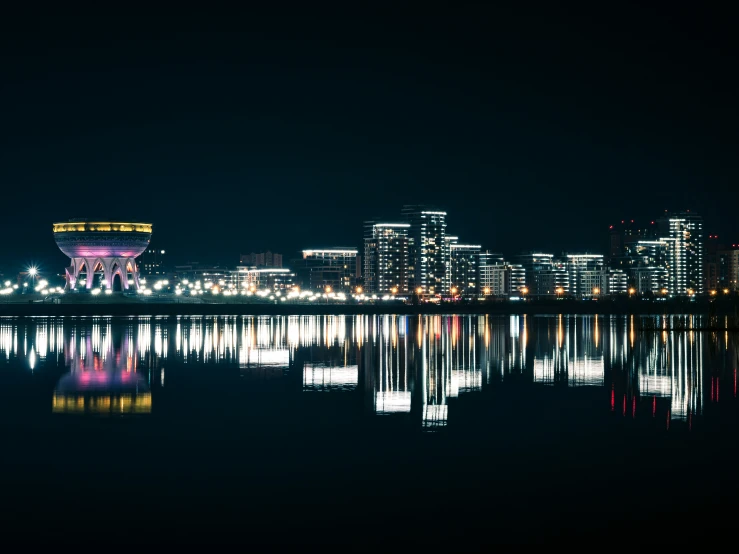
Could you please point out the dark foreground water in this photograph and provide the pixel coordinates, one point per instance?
(368, 431)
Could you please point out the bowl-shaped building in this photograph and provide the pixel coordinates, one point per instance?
(106, 248)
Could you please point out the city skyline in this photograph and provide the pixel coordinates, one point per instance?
(257, 131)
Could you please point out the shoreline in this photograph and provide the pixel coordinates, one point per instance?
(153, 308)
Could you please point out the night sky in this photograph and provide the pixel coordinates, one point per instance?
(286, 131)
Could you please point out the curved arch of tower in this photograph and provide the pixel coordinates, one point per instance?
(108, 267)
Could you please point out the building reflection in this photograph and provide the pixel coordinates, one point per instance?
(416, 368)
(103, 375)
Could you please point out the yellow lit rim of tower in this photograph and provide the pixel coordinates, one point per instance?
(102, 226)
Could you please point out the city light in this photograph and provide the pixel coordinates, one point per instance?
(524, 290)
(596, 291)
(632, 291)
(713, 293)
(486, 290)
(359, 290)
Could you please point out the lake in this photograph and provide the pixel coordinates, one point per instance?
(368, 430)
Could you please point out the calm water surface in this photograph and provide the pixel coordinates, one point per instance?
(469, 429)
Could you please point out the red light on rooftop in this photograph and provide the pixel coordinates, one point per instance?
(632, 221)
(652, 222)
(611, 227)
(622, 221)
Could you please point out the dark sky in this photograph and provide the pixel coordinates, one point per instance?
(287, 130)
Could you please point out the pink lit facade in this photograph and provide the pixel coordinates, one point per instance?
(108, 249)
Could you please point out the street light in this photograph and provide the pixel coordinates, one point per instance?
(713, 293)
(596, 291)
(726, 291)
(454, 291)
(690, 292)
(33, 271)
(394, 290)
(632, 290)
(486, 290)
(419, 291)
(524, 290)
(359, 290)
(559, 290)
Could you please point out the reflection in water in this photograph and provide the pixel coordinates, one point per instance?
(103, 373)
(411, 367)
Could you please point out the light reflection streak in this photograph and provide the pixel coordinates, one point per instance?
(409, 366)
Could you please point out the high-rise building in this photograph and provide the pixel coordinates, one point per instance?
(464, 260)
(386, 258)
(623, 239)
(684, 233)
(262, 259)
(545, 276)
(617, 282)
(729, 269)
(427, 252)
(587, 275)
(492, 274)
(338, 268)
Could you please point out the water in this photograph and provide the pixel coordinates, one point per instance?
(367, 430)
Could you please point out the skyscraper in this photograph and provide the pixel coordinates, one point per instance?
(428, 255)
(386, 258)
(684, 234)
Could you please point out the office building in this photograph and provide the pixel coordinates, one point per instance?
(337, 268)
(386, 257)
(427, 252)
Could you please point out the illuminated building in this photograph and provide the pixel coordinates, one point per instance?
(617, 281)
(152, 262)
(623, 239)
(464, 260)
(684, 234)
(545, 276)
(587, 276)
(263, 259)
(728, 278)
(427, 251)
(338, 268)
(494, 275)
(107, 249)
(271, 278)
(386, 258)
